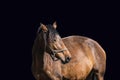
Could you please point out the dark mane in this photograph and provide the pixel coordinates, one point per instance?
(51, 33)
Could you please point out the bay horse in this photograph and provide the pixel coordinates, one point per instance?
(68, 58)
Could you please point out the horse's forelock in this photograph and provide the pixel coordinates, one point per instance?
(51, 33)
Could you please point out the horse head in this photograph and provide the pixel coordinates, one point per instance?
(54, 44)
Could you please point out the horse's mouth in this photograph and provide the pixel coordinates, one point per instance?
(67, 60)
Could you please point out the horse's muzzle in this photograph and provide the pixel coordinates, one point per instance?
(67, 60)
(54, 52)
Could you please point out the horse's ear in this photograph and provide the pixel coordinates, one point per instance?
(43, 27)
(55, 25)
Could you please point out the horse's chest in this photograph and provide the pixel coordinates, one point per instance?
(52, 68)
(76, 70)
(53, 73)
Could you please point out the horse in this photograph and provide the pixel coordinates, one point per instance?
(69, 58)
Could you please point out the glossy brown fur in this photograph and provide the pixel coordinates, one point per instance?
(87, 56)
(88, 61)
(82, 58)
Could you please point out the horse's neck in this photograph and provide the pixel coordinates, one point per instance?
(38, 50)
(52, 66)
(43, 59)
(48, 61)
(40, 53)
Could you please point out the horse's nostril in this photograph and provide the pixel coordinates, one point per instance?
(68, 59)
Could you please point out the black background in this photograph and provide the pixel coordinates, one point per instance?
(20, 20)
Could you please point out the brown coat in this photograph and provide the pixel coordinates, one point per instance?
(88, 61)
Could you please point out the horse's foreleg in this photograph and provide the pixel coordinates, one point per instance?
(98, 76)
(38, 77)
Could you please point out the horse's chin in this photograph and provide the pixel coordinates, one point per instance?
(64, 62)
